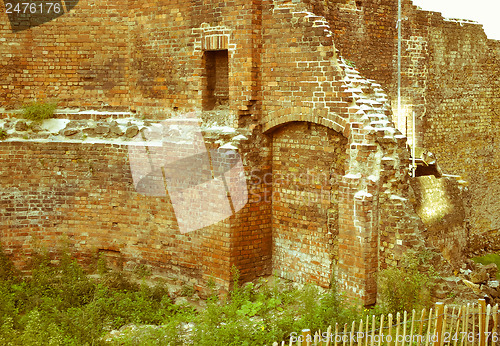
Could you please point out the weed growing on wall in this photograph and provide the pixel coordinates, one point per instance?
(38, 111)
(3, 134)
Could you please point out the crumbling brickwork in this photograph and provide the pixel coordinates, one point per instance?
(284, 92)
(450, 83)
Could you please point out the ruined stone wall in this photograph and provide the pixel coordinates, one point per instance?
(449, 83)
(304, 79)
(283, 71)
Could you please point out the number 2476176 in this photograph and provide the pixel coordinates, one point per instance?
(33, 8)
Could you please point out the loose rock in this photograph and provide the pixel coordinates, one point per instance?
(21, 126)
(479, 276)
(101, 129)
(132, 131)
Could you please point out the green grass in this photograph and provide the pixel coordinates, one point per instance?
(489, 258)
(38, 111)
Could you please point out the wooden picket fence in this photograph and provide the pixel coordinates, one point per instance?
(471, 324)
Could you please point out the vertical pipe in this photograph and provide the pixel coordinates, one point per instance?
(413, 144)
(400, 123)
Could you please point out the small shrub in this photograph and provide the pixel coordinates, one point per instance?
(7, 269)
(408, 286)
(39, 111)
(187, 291)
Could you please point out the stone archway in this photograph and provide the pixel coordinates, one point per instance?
(308, 163)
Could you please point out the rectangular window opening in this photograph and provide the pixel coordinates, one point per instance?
(216, 91)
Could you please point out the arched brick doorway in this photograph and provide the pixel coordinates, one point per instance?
(308, 162)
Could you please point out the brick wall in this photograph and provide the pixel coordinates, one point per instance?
(80, 58)
(308, 161)
(288, 83)
(83, 194)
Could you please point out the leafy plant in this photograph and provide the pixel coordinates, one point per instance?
(350, 63)
(39, 111)
(408, 286)
(187, 291)
(3, 134)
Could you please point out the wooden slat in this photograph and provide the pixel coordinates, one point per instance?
(404, 328)
(473, 316)
(429, 328)
(495, 324)
(336, 333)
(390, 330)
(317, 339)
(412, 326)
(487, 324)
(467, 317)
(366, 330)
(374, 327)
(360, 330)
(451, 325)
(351, 340)
(421, 326)
(439, 322)
(398, 321)
(482, 311)
(457, 327)
(443, 328)
(381, 333)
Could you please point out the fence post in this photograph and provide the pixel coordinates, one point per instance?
(429, 328)
(328, 335)
(306, 336)
(487, 324)
(421, 327)
(495, 324)
(439, 323)
(381, 334)
(482, 309)
(336, 333)
(398, 321)
(360, 331)
(351, 337)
